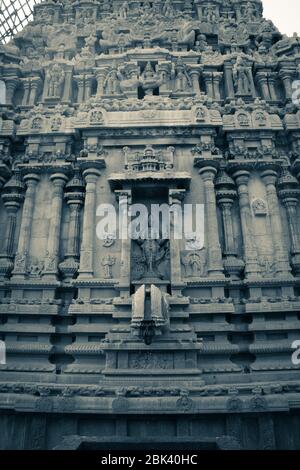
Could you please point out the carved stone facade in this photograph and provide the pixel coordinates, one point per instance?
(124, 102)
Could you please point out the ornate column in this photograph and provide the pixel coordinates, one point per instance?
(100, 76)
(11, 85)
(80, 83)
(208, 171)
(217, 76)
(289, 193)
(35, 83)
(31, 180)
(52, 254)
(12, 197)
(287, 78)
(176, 197)
(207, 76)
(226, 194)
(262, 80)
(88, 87)
(229, 88)
(272, 79)
(195, 74)
(269, 176)
(124, 199)
(67, 86)
(74, 196)
(26, 87)
(91, 175)
(252, 268)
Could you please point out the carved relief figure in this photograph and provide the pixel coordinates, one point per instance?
(124, 10)
(250, 12)
(181, 76)
(194, 264)
(112, 82)
(242, 77)
(56, 78)
(107, 263)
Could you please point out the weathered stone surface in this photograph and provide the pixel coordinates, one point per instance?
(164, 340)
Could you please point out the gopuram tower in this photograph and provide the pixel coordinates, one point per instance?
(116, 341)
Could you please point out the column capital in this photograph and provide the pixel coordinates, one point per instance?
(31, 179)
(208, 173)
(269, 176)
(241, 177)
(176, 196)
(59, 178)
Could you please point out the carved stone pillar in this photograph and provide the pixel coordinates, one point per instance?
(287, 78)
(100, 76)
(12, 197)
(289, 193)
(272, 79)
(67, 86)
(11, 85)
(215, 265)
(52, 254)
(34, 86)
(283, 267)
(31, 181)
(252, 268)
(80, 84)
(91, 176)
(26, 87)
(176, 197)
(217, 76)
(74, 195)
(226, 194)
(229, 88)
(262, 80)
(195, 80)
(124, 199)
(207, 76)
(88, 87)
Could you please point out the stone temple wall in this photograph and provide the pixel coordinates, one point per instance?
(118, 342)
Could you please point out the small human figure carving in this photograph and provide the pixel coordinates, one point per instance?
(107, 263)
(56, 78)
(182, 78)
(242, 77)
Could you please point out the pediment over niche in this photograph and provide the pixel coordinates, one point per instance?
(257, 119)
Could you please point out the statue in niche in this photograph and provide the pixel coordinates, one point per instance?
(268, 267)
(56, 77)
(35, 268)
(109, 240)
(153, 252)
(90, 44)
(112, 82)
(201, 43)
(250, 12)
(168, 10)
(194, 264)
(37, 123)
(107, 263)
(259, 207)
(242, 77)
(96, 117)
(210, 14)
(146, 12)
(267, 32)
(187, 34)
(124, 10)
(150, 79)
(181, 76)
(243, 119)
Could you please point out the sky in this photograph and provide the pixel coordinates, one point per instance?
(285, 14)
